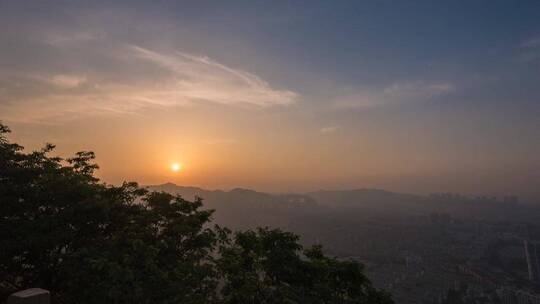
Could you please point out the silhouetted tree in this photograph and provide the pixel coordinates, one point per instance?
(269, 266)
(89, 242)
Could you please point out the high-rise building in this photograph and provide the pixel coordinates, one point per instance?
(531, 255)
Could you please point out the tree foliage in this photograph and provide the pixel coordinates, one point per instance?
(89, 242)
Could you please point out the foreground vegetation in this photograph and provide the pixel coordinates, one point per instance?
(87, 242)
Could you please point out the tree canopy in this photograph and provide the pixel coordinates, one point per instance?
(64, 230)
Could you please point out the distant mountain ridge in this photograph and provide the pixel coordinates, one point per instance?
(189, 190)
(244, 208)
(248, 208)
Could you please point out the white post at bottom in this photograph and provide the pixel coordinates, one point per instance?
(30, 296)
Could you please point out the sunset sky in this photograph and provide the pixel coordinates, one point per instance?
(414, 96)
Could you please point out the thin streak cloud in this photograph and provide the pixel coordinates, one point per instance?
(201, 78)
(329, 129)
(125, 87)
(67, 81)
(529, 51)
(394, 94)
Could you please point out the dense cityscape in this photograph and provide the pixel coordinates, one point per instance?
(442, 248)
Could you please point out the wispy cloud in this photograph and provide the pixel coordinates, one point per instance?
(69, 38)
(67, 81)
(396, 93)
(329, 129)
(140, 78)
(529, 50)
(201, 78)
(531, 43)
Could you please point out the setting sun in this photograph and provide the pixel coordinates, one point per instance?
(176, 167)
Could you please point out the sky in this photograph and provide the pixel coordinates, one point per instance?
(412, 96)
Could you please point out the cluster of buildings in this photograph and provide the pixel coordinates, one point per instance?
(459, 261)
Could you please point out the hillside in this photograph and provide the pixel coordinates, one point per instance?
(247, 208)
